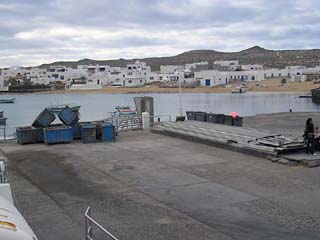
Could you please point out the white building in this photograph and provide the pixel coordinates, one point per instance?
(230, 65)
(37, 76)
(136, 74)
(194, 66)
(249, 67)
(171, 68)
(13, 72)
(211, 78)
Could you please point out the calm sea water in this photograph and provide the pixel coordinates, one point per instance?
(96, 106)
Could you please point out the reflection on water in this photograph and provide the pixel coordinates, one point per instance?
(96, 106)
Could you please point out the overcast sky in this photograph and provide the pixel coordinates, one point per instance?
(42, 31)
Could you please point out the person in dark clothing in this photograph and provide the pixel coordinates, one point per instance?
(309, 136)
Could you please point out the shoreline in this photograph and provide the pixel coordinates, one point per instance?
(267, 86)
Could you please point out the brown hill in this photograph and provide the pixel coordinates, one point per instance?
(253, 55)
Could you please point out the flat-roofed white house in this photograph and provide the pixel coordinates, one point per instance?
(37, 76)
(249, 67)
(229, 65)
(210, 78)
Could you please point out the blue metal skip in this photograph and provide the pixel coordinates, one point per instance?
(61, 134)
(108, 132)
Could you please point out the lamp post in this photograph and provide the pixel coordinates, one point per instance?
(181, 117)
(180, 98)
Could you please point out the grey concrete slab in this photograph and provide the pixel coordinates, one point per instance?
(204, 195)
(147, 186)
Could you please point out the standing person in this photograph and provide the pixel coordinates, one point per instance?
(309, 134)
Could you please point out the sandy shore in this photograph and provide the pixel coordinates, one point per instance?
(262, 86)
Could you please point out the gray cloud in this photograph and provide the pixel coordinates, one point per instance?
(33, 31)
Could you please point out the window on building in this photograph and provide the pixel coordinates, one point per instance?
(252, 78)
(160, 78)
(140, 81)
(151, 78)
(61, 77)
(130, 81)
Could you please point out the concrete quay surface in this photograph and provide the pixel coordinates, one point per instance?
(148, 186)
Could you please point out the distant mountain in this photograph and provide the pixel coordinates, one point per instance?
(253, 55)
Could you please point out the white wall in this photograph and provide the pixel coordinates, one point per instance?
(134, 82)
(171, 68)
(251, 67)
(218, 77)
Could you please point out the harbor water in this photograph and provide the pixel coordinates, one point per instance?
(96, 106)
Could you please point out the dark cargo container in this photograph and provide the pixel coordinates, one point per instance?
(28, 134)
(220, 118)
(201, 116)
(228, 120)
(68, 116)
(190, 115)
(237, 121)
(44, 119)
(211, 117)
(77, 131)
(89, 133)
(3, 121)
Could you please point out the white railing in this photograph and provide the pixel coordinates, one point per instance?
(90, 223)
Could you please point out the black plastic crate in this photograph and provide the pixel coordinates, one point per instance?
(201, 116)
(190, 115)
(237, 121)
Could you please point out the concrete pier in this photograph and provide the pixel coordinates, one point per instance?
(148, 186)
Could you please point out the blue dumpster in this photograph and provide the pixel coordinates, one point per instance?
(89, 133)
(68, 116)
(108, 132)
(58, 134)
(44, 119)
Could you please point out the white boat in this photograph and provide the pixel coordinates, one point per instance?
(125, 111)
(239, 89)
(13, 226)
